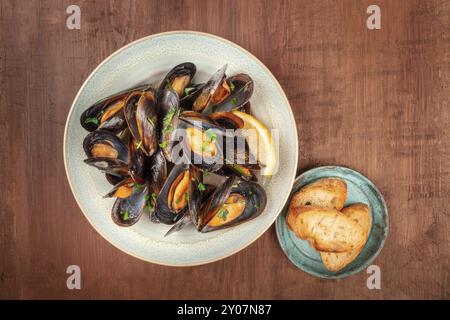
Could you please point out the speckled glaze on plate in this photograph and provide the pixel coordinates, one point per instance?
(147, 60)
(360, 189)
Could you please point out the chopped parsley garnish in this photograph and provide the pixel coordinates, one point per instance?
(201, 187)
(205, 146)
(211, 137)
(187, 90)
(231, 85)
(167, 129)
(234, 101)
(167, 121)
(150, 200)
(185, 196)
(206, 173)
(93, 120)
(125, 215)
(211, 134)
(138, 187)
(238, 168)
(223, 214)
(163, 144)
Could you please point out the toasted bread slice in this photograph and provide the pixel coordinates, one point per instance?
(326, 229)
(327, 192)
(360, 213)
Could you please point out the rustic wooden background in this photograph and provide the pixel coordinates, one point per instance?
(376, 101)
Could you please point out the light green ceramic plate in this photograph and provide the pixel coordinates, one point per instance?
(360, 189)
(147, 60)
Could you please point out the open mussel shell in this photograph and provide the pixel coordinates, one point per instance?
(222, 92)
(196, 193)
(114, 180)
(136, 162)
(168, 121)
(209, 190)
(232, 204)
(123, 189)
(204, 122)
(187, 219)
(115, 167)
(225, 126)
(237, 150)
(227, 120)
(203, 100)
(107, 153)
(215, 200)
(141, 115)
(115, 124)
(127, 211)
(104, 144)
(202, 144)
(107, 113)
(199, 120)
(240, 170)
(156, 174)
(157, 171)
(178, 78)
(241, 90)
(190, 94)
(172, 201)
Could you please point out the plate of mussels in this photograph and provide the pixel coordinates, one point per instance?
(181, 148)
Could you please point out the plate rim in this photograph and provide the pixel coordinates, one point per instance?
(162, 34)
(363, 266)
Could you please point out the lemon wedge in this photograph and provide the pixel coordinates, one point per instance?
(262, 146)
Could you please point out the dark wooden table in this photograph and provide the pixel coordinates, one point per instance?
(373, 100)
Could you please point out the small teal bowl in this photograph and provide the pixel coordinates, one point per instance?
(359, 189)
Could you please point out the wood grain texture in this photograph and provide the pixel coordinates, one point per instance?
(375, 101)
